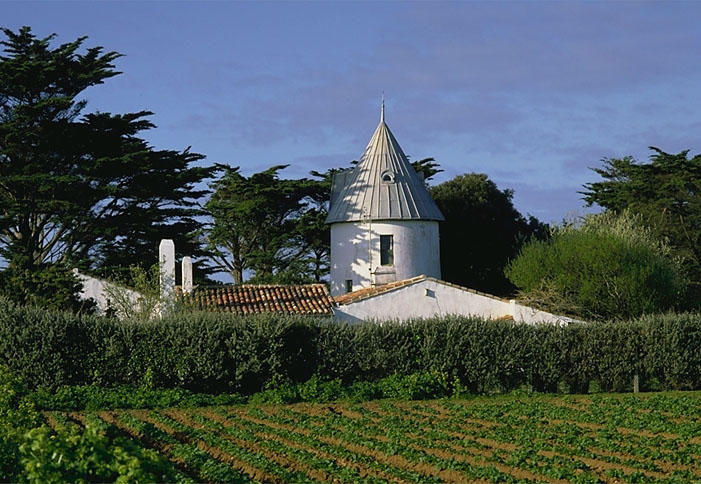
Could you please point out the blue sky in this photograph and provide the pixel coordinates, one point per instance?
(533, 94)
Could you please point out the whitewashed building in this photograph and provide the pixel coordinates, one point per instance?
(426, 297)
(385, 253)
(384, 223)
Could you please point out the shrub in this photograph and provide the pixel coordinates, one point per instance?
(415, 386)
(97, 453)
(606, 267)
(224, 354)
(135, 294)
(94, 397)
(17, 415)
(52, 287)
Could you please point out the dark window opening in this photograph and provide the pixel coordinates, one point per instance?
(349, 285)
(386, 250)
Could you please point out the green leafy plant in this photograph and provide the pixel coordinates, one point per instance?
(95, 453)
(135, 295)
(52, 287)
(17, 415)
(607, 266)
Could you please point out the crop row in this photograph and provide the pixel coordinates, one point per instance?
(571, 439)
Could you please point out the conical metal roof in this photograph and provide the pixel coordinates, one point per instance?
(383, 186)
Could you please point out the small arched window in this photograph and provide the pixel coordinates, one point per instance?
(387, 176)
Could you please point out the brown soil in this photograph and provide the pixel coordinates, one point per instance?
(476, 451)
(443, 414)
(165, 449)
(363, 471)
(556, 402)
(51, 420)
(446, 475)
(603, 465)
(448, 414)
(626, 431)
(278, 457)
(375, 408)
(78, 418)
(521, 474)
(253, 472)
(416, 410)
(384, 458)
(666, 466)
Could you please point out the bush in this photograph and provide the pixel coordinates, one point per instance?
(50, 286)
(17, 415)
(218, 353)
(416, 386)
(32, 452)
(97, 453)
(606, 267)
(94, 397)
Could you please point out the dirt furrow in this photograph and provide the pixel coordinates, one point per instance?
(78, 418)
(515, 472)
(665, 465)
(604, 465)
(308, 433)
(362, 471)
(253, 472)
(278, 457)
(625, 430)
(51, 420)
(397, 461)
(447, 414)
(161, 447)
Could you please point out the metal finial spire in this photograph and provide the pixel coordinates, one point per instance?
(382, 109)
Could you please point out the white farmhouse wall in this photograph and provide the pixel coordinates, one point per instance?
(96, 289)
(354, 251)
(429, 298)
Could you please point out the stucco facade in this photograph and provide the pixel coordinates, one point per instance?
(356, 255)
(424, 297)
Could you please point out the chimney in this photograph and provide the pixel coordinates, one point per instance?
(187, 274)
(166, 263)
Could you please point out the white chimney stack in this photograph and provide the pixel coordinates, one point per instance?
(166, 262)
(187, 274)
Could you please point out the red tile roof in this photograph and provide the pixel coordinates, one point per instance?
(374, 291)
(369, 292)
(268, 298)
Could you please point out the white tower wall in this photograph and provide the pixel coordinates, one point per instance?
(355, 252)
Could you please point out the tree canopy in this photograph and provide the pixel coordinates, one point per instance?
(481, 233)
(80, 187)
(666, 193)
(606, 266)
(266, 224)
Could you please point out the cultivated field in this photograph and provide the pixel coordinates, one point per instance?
(591, 438)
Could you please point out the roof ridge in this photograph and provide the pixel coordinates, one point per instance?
(368, 292)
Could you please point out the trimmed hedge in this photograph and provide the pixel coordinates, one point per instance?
(222, 353)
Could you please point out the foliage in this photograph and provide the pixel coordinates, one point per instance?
(96, 453)
(606, 267)
(519, 437)
(415, 386)
(17, 415)
(77, 187)
(96, 397)
(225, 353)
(52, 287)
(666, 193)
(427, 167)
(481, 233)
(141, 299)
(261, 222)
